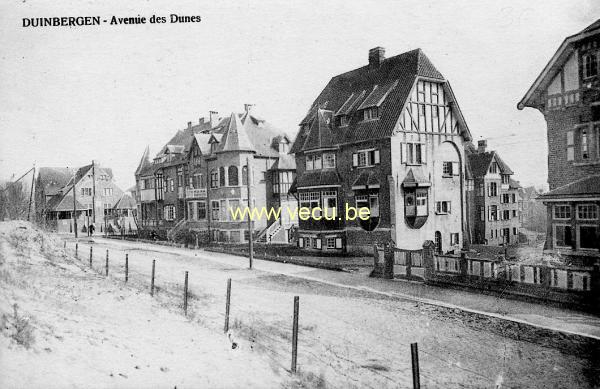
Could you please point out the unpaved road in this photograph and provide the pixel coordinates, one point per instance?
(348, 337)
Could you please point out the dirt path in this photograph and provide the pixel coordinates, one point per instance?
(348, 337)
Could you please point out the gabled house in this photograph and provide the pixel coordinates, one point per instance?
(388, 136)
(212, 174)
(95, 196)
(567, 93)
(494, 213)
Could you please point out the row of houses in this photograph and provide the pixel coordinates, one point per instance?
(388, 136)
(209, 168)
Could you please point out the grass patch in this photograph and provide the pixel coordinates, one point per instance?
(18, 328)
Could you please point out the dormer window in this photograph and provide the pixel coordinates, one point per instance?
(283, 147)
(590, 65)
(371, 113)
(344, 120)
(505, 179)
(494, 168)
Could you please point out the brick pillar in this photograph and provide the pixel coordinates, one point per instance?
(428, 263)
(388, 256)
(462, 265)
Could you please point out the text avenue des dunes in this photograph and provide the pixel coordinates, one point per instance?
(77, 21)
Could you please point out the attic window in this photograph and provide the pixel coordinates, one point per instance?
(590, 65)
(371, 113)
(494, 167)
(344, 120)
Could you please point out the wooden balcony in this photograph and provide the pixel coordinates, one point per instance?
(195, 193)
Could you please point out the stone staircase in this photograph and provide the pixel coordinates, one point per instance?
(267, 234)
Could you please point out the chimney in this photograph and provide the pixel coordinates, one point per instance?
(214, 117)
(189, 125)
(248, 107)
(376, 56)
(481, 145)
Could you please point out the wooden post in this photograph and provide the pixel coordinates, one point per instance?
(414, 354)
(76, 249)
(152, 281)
(65, 244)
(185, 293)
(126, 267)
(250, 226)
(107, 262)
(227, 305)
(295, 334)
(91, 248)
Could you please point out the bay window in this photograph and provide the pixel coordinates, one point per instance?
(330, 204)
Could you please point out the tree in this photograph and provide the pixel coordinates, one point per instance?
(14, 200)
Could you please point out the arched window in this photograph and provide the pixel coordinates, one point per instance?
(245, 175)
(221, 176)
(590, 65)
(232, 173)
(438, 242)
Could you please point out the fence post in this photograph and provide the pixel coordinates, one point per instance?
(91, 248)
(152, 281)
(414, 354)
(227, 305)
(185, 294)
(76, 249)
(107, 262)
(126, 267)
(65, 244)
(295, 334)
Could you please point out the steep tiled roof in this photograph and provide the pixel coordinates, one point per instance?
(87, 169)
(202, 140)
(125, 202)
(321, 131)
(585, 187)
(53, 179)
(388, 85)
(479, 163)
(235, 137)
(285, 162)
(415, 178)
(144, 162)
(319, 178)
(62, 202)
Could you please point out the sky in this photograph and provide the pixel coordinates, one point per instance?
(70, 95)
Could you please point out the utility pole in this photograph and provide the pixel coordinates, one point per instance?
(93, 193)
(31, 193)
(249, 186)
(74, 206)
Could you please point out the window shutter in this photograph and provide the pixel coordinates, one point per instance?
(318, 243)
(489, 213)
(338, 243)
(455, 170)
(376, 157)
(354, 160)
(300, 242)
(423, 153)
(403, 152)
(449, 207)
